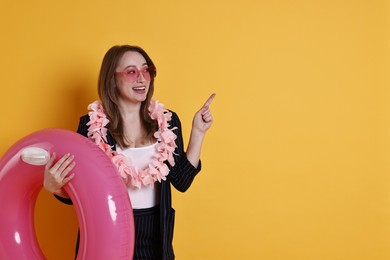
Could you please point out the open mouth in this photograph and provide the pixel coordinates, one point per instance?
(139, 89)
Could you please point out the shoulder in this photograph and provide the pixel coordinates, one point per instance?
(175, 121)
(84, 118)
(174, 114)
(83, 128)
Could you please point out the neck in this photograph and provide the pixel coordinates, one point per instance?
(133, 130)
(129, 108)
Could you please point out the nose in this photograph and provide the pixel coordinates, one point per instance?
(141, 77)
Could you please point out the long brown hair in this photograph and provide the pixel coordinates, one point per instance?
(108, 93)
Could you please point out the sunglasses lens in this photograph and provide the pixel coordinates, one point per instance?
(131, 74)
(146, 73)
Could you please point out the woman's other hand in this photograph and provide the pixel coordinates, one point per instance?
(56, 176)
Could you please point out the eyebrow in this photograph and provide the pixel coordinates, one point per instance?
(133, 66)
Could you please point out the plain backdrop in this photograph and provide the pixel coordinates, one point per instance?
(296, 165)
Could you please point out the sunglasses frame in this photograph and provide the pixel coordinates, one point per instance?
(149, 71)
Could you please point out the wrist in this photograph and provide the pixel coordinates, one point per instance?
(62, 193)
(197, 134)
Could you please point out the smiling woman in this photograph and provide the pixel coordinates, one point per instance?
(144, 140)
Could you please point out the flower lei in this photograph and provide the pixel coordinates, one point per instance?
(157, 170)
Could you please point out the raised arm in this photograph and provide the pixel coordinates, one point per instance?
(201, 123)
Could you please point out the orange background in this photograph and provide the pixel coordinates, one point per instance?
(296, 165)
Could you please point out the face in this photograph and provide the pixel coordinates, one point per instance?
(132, 78)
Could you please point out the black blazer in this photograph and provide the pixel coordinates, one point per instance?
(180, 176)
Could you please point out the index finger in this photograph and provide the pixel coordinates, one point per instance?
(209, 100)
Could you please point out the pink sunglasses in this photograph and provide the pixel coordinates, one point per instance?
(132, 74)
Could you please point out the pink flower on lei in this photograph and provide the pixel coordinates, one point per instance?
(157, 170)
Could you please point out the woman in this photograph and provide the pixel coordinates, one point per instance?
(144, 141)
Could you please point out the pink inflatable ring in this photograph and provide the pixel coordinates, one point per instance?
(100, 197)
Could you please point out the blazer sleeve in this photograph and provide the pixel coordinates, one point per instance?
(183, 173)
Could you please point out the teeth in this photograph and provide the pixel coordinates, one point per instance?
(140, 88)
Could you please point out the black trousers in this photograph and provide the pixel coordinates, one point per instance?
(148, 244)
(147, 234)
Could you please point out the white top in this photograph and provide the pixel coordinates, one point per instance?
(145, 197)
